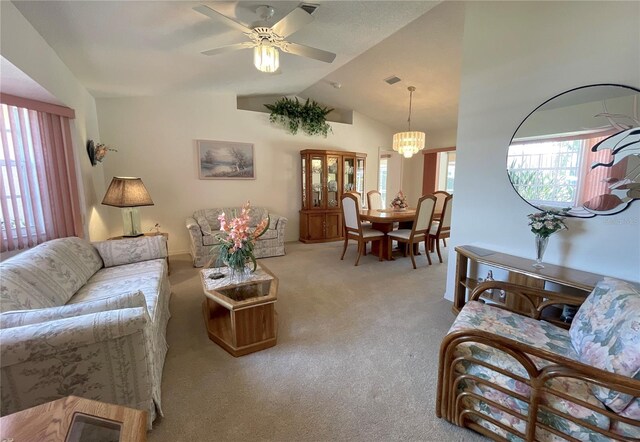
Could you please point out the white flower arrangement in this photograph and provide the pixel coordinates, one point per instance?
(547, 222)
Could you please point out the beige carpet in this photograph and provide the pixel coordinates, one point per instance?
(356, 357)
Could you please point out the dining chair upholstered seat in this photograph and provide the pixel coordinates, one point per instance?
(418, 233)
(354, 229)
(440, 230)
(374, 200)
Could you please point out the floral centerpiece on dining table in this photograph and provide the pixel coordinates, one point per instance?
(400, 202)
(237, 240)
(543, 225)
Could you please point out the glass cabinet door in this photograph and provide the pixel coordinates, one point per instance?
(317, 171)
(359, 177)
(304, 182)
(349, 173)
(333, 181)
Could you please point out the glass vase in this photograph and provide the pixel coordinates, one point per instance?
(238, 273)
(541, 246)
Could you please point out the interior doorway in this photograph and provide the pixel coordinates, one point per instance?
(439, 170)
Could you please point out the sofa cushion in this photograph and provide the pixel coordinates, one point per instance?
(632, 412)
(256, 214)
(131, 250)
(47, 275)
(606, 334)
(477, 315)
(28, 317)
(205, 227)
(146, 276)
(209, 240)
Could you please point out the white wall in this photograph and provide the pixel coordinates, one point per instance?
(516, 56)
(155, 138)
(21, 44)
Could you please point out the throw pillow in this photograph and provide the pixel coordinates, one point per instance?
(204, 225)
(129, 250)
(606, 334)
(28, 317)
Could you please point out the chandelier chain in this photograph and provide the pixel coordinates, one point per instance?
(410, 103)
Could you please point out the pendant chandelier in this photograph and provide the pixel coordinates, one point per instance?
(411, 142)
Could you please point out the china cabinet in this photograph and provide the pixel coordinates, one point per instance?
(326, 175)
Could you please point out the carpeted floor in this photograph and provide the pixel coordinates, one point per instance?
(356, 358)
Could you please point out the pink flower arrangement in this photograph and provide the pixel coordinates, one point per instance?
(399, 202)
(237, 240)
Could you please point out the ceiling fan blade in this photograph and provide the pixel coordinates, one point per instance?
(229, 48)
(308, 51)
(293, 21)
(212, 13)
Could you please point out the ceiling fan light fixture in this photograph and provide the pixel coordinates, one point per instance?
(266, 57)
(410, 142)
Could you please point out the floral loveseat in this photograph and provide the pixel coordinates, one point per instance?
(512, 377)
(87, 320)
(203, 227)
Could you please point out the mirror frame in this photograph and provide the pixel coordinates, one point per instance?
(590, 214)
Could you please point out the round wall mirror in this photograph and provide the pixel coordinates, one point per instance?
(580, 152)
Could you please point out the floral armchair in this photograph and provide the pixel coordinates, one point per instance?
(513, 377)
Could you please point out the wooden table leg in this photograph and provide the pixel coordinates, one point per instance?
(375, 246)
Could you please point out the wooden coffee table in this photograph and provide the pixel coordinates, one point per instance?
(241, 317)
(75, 419)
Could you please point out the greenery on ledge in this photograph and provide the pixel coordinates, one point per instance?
(310, 116)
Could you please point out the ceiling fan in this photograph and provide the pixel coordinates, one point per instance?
(266, 41)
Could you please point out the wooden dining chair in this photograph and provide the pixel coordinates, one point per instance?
(374, 200)
(440, 195)
(440, 230)
(353, 228)
(419, 231)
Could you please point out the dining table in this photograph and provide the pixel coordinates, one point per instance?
(382, 220)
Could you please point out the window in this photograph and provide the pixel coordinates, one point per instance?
(382, 180)
(20, 208)
(446, 171)
(39, 196)
(546, 173)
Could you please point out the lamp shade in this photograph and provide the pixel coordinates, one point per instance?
(266, 58)
(408, 143)
(127, 192)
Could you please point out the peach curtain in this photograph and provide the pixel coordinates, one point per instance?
(39, 195)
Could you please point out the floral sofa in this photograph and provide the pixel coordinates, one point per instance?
(87, 320)
(515, 378)
(203, 227)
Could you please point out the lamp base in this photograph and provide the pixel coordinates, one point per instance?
(131, 222)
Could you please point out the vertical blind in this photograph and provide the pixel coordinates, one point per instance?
(39, 197)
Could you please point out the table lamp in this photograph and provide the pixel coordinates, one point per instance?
(128, 194)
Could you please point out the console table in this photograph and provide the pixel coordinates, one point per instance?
(520, 271)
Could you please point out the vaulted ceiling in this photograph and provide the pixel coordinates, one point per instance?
(134, 48)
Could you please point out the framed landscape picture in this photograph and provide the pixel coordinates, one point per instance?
(225, 160)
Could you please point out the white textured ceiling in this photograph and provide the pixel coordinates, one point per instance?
(133, 48)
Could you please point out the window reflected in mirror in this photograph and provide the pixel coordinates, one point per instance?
(580, 151)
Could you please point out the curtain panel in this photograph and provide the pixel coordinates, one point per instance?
(39, 196)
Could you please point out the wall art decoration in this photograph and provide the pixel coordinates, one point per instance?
(225, 160)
